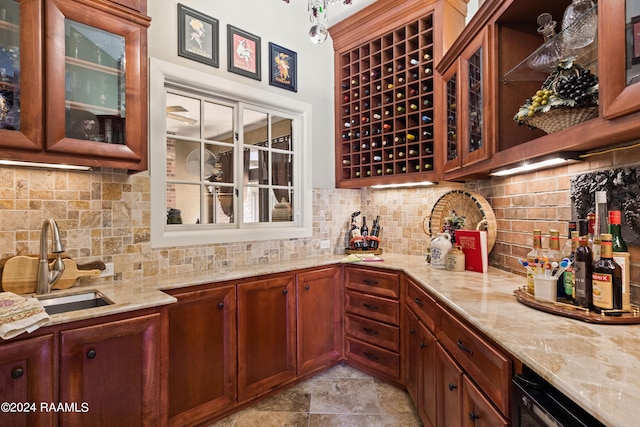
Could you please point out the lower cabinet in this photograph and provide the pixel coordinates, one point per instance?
(26, 375)
(477, 410)
(449, 389)
(114, 368)
(202, 353)
(319, 319)
(266, 335)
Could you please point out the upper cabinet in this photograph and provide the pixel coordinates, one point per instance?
(386, 90)
(509, 38)
(74, 85)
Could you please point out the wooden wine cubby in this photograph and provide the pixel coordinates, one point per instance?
(385, 90)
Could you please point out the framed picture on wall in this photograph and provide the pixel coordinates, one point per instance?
(283, 68)
(243, 50)
(198, 36)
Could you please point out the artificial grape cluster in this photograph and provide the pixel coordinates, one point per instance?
(576, 87)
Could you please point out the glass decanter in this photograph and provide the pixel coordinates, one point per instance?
(579, 24)
(550, 53)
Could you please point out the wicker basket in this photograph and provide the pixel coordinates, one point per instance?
(472, 206)
(560, 118)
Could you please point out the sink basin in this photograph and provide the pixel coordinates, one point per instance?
(54, 304)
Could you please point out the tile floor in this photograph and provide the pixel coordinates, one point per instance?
(342, 396)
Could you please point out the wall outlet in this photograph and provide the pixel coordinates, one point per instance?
(108, 271)
(325, 244)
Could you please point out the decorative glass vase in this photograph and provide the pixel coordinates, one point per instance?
(579, 24)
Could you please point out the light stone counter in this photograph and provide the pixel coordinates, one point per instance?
(598, 366)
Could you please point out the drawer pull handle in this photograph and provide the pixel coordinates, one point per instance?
(370, 306)
(285, 291)
(220, 305)
(91, 354)
(452, 386)
(17, 373)
(370, 331)
(419, 302)
(370, 356)
(463, 347)
(370, 282)
(473, 416)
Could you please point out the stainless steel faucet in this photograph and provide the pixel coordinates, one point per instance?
(46, 276)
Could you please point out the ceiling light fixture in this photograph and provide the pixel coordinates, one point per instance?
(404, 184)
(539, 163)
(43, 165)
(318, 32)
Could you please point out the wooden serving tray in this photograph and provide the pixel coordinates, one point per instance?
(349, 251)
(574, 312)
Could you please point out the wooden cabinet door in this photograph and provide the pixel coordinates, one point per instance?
(26, 375)
(477, 411)
(202, 353)
(449, 392)
(266, 334)
(319, 319)
(411, 345)
(115, 368)
(427, 387)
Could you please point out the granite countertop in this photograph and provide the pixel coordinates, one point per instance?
(596, 365)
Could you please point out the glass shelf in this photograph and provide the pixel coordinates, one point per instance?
(586, 57)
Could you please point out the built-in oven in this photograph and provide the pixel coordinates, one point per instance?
(536, 403)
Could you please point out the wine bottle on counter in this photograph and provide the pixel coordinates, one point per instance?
(607, 280)
(569, 274)
(615, 228)
(582, 273)
(621, 255)
(555, 255)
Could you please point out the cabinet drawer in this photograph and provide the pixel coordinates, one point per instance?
(373, 307)
(422, 304)
(367, 355)
(488, 367)
(373, 332)
(373, 282)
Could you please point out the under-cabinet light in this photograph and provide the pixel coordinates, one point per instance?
(405, 184)
(43, 165)
(538, 163)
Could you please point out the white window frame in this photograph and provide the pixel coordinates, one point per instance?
(162, 73)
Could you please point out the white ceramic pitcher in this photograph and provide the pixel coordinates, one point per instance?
(440, 246)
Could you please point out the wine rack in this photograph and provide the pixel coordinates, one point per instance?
(385, 112)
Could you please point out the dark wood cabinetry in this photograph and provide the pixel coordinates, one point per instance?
(202, 353)
(82, 77)
(266, 334)
(372, 321)
(449, 389)
(319, 319)
(385, 90)
(26, 377)
(115, 368)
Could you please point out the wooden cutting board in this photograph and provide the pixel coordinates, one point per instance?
(20, 274)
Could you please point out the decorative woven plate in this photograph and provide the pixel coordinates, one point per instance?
(472, 206)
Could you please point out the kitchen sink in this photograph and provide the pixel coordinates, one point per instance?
(54, 304)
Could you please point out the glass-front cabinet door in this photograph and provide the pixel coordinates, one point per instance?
(20, 66)
(453, 160)
(619, 57)
(95, 86)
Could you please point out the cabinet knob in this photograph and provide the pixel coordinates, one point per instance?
(452, 386)
(220, 305)
(285, 291)
(412, 331)
(423, 345)
(419, 302)
(473, 416)
(307, 287)
(91, 354)
(17, 373)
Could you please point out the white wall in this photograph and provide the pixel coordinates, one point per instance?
(274, 21)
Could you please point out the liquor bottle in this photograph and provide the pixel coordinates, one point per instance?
(607, 279)
(566, 249)
(375, 228)
(615, 225)
(535, 257)
(601, 222)
(569, 273)
(591, 224)
(555, 255)
(583, 274)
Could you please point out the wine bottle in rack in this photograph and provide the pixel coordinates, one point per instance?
(386, 126)
(374, 75)
(426, 133)
(401, 109)
(426, 119)
(411, 137)
(377, 116)
(414, 76)
(400, 80)
(400, 67)
(413, 92)
(345, 98)
(357, 174)
(426, 57)
(379, 171)
(346, 162)
(414, 61)
(364, 119)
(378, 88)
(354, 82)
(389, 170)
(400, 154)
(389, 85)
(427, 71)
(399, 139)
(400, 95)
(377, 158)
(345, 86)
(413, 152)
(365, 146)
(376, 131)
(413, 107)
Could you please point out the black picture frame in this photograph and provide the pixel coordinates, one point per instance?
(243, 52)
(198, 36)
(283, 67)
